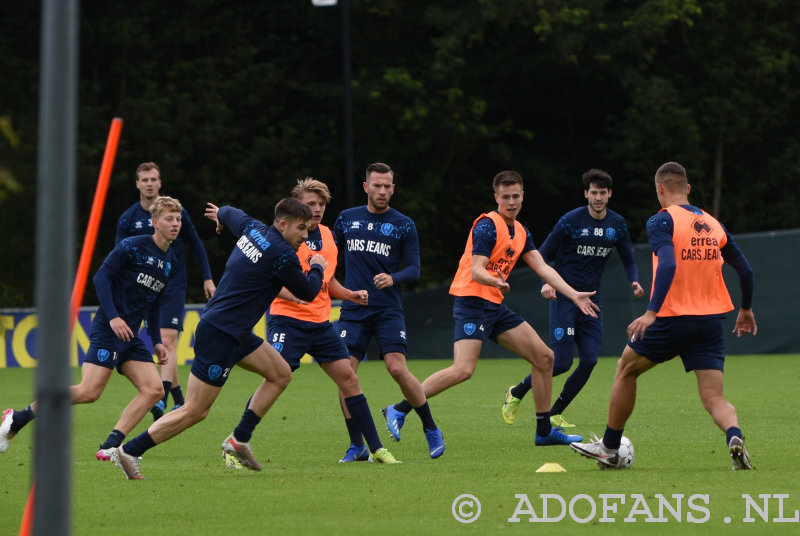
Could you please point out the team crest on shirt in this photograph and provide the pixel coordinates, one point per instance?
(469, 328)
(386, 229)
(610, 233)
(700, 226)
(558, 333)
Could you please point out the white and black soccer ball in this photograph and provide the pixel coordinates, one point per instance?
(626, 453)
(625, 456)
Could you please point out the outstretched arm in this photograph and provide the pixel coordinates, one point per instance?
(582, 299)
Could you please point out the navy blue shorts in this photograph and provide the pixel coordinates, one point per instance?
(216, 353)
(476, 318)
(699, 341)
(172, 307)
(567, 323)
(112, 352)
(356, 327)
(294, 338)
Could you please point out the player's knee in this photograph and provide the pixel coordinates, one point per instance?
(83, 395)
(154, 392)
(349, 385)
(543, 361)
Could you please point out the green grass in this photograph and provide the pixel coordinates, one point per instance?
(302, 489)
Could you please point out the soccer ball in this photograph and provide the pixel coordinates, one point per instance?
(625, 454)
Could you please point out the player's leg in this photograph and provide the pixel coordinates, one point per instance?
(171, 314)
(144, 376)
(94, 379)
(265, 361)
(588, 351)
(706, 356)
(465, 359)
(169, 371)
(355, 333)
(710, 387)
(342, 373)
(215, 354)
(623, 399)
(523, 340)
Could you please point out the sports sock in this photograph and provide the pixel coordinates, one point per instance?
(403, 407)
(244, 430)
(115, 439)
(543, 424)
(21, 418)
(139, 444)
(559, 406)
(424, 412)
(167, 387)
(730, 433)
(522, 388)
(354, 431)
(359, 410)
(177, 395)
(612, 438)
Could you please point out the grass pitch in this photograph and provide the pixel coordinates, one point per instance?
(681, 478)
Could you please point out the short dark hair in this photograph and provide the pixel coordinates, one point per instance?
(378, 167)
(672, 175)
(289, 208)
(147, 166)
(598, 177)
(507, 178)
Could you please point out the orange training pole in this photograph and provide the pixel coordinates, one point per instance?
(94, 219)
(27, 515)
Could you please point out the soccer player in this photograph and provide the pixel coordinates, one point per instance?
(377, 241)
(262, 262)
(297, 327)
(136, 221)
(129, 286)
(580, 243)
(494, 244)
(687, 304)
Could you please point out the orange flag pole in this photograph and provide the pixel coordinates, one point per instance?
(84, 264)
(94, 220)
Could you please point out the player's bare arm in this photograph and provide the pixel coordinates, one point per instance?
(340, 292)
(482, 275)
(582, 299)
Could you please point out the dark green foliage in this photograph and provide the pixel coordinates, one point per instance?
(236, 100)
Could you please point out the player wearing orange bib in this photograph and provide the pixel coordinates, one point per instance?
(688, 302)
(497, 240)
(296, 327)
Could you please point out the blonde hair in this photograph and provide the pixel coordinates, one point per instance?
(163, 204)
(310, 184)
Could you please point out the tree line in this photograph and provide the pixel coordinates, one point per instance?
(236, 100)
